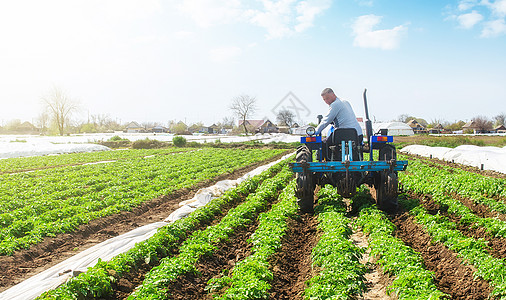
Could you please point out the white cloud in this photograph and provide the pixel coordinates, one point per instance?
(498, 8)
(492, 12)
(307, 12)
(494, 28)
(366, 37)
(279, 18)
(470, 19)
(224, 54)
(467, 4)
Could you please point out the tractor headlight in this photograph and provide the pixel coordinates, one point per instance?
(310, 130)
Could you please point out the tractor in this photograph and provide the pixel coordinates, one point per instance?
(339, 161)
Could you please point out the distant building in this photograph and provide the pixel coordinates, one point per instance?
(500, 129)
(417, 127)
(26, 127)
(393, 128)
(159, 129)
(437, 129)
(471, 125)
(134, 127)
(260, 126)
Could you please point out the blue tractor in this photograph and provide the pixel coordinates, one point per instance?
(339, 161)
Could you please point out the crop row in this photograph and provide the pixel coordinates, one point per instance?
(472, 251)
(47, 202)
(418, 182)
(204, 243)
(341, 274)
(481, 189)
(99, 280)
(20, 164)
(250, 278)
(412, 280)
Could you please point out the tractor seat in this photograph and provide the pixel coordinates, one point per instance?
(343, 134)
(333, 144)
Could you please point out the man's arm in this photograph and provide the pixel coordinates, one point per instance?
(331, 115)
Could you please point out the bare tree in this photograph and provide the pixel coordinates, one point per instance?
(500, 119)
(285, 116)
(482, 123)
(228, 122)
(60, 107)
(243, 107)
(434, 122)
(404, 118)
(43, 121)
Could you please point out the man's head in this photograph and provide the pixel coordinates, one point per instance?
(328, 96)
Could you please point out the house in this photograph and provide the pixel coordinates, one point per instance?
(471, 126)
(26, 127)
(283, 128)
(500, 129)
(134, 127)
(417, 127)
(260, 126)
(437, 129)
(214, 129)
(159, 129)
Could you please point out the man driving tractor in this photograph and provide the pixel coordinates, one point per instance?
(339, 159)
(340, 114)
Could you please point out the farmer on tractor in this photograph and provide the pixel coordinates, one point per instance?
(339, 160)
(340, 114)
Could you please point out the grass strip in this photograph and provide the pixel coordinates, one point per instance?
(473, 252)
(250, 278)
(205, 242)
(341, 275)
(412, 280)
(98, 280)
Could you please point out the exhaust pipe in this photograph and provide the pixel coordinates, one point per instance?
(368, 123)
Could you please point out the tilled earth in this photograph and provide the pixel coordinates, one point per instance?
(291, 265)
(51, 251)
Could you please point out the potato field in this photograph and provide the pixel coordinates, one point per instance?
(447, 240)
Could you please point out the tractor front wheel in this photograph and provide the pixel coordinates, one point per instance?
(305, 181)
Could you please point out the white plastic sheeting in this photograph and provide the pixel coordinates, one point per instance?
(492, 158)
(20, 149)
(394, 128)
(58, 274)
(34, 145)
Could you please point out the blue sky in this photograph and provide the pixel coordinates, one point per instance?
(185, 60)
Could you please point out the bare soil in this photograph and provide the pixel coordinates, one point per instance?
(291, 266)
(51, 251)
(192, 286)
(497, 244)
(451, 275)
(376, 280)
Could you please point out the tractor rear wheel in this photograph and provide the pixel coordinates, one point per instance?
(386, 184)
(305, 181)
(386, 191)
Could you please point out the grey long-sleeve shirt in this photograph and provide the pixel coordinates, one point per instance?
(341, 113)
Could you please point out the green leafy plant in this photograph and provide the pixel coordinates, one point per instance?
(179, 141)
